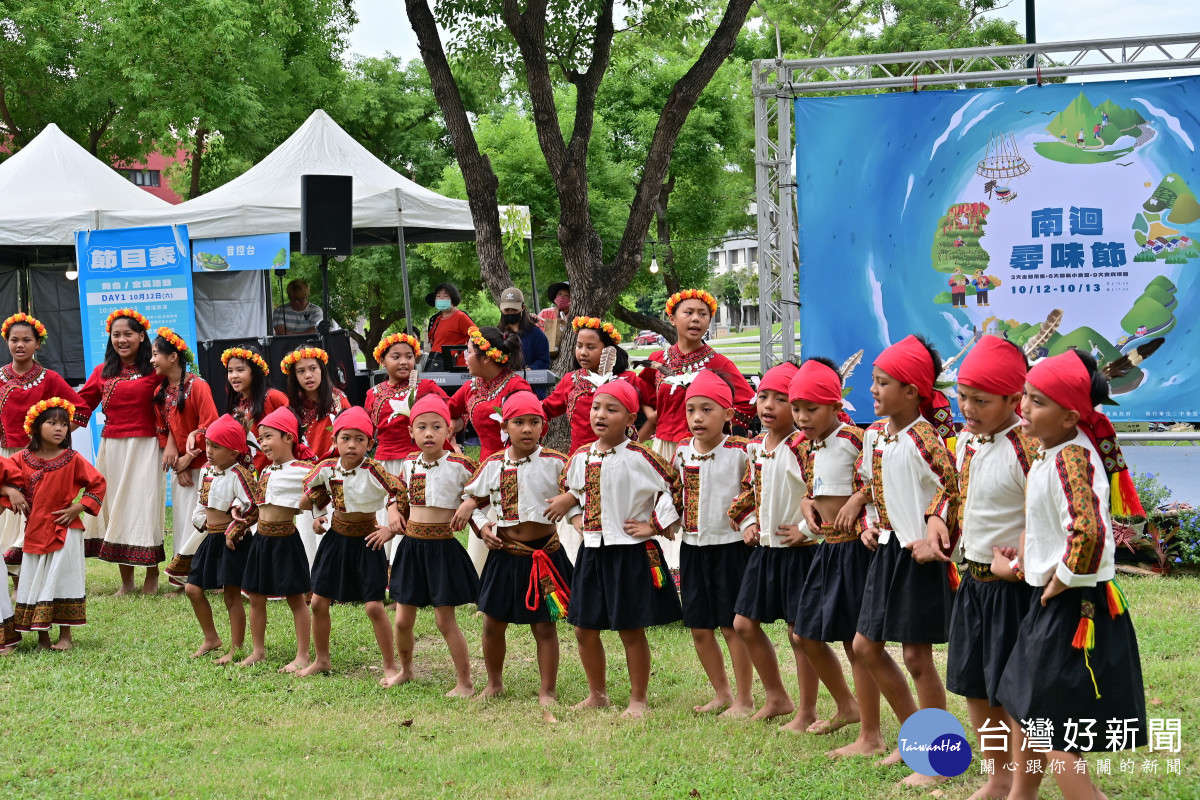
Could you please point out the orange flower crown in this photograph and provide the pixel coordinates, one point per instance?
(597, 324)
(178, 343)
(291, 358)
(692, 294)
(397, 338)
(245, 355)
(131, 313)
(486, 347)
(39, 330)
(42, 407)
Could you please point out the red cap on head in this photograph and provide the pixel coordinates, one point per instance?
(353, 418)
(624, 392)
(708, 384)
(282, 419)
(778, 378)
(908, 361)
(817, 383)
(520, 404)
(228, 432)
(429, 404)
(1066, 381)
(994, 366)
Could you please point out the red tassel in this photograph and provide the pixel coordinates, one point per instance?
(1085, 635)
(955, 580)
(1129, 499)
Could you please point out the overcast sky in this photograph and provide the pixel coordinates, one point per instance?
(383, 26)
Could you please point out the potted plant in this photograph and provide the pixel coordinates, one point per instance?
(1161, 543)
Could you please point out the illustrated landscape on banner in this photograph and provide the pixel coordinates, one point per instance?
(1063, 212)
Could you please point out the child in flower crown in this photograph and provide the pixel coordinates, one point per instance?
(248, 397)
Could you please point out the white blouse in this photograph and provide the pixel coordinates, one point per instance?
(772, 488)
(518, 490)
(832, 462)
(438, 484)
(626, 483)
(993, 512)
(1068, 530)
(907, 477)
(706, 484)
(283, 485)
(223, 491)
(365, 489)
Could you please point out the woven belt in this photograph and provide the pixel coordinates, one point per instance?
(834, 536)
(980, 571)
(354, 530)
(552, 545)
(276, 528)
(428, 530)
(218, 528)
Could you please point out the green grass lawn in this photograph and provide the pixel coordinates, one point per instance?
(128, 714)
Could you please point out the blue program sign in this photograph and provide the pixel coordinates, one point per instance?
(142, 268)
(227, 253)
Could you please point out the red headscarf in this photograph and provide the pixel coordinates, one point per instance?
(624, 392)
(994, 366)
(817, 383)
(430, 404)
(778, 378)
(229, 433)
(353, 418)
(282, 419)
(708, 384)
(522, 403)
(908, 362)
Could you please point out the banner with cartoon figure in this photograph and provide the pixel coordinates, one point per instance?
(1059, 216)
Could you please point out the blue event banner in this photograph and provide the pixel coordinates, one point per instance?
(228, 253)
(142, 268)
(1059, 217)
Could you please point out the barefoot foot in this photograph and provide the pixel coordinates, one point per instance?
(859, 747)
(893, 758)
(124, 590)
(490, 690)
(227, 658)
(991, 791)
(736, 711)
(800, 723)
(919, 781)
(62, 644)
(775, 708)
(208, 646)
(716, 704)
(636, 710)
(294, 666)
(463, 690)
(320, 665)
(253, 658)
(395, 678)
(592, 701)
(547, 699)
(824, 726)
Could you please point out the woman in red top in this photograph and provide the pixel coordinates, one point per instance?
(183, 405)
(247, 397)
(450, 326)
(573, 394)
(23, 383)
(133, 516)
(58, 485)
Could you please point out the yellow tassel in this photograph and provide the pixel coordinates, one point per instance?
(656, 574)
(955, 578)
(1088, 664)
(1085, 634)
(1117, 602)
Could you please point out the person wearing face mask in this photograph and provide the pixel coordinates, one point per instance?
(516, 318)
(555, 320)
(449, 326)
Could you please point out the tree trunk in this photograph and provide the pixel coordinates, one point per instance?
(663, 234)
(197, 160)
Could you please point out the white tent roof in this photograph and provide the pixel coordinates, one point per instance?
(266, 198)
(52, 187)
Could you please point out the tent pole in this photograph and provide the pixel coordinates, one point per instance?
(533, 278)
(408, 320)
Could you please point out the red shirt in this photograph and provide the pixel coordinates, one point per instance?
(126, 400)
(391, 426)
(19, 393)
(476, 401)
(573, 396)
(50, 486)
(199, 411)
(318, 433)
(672, 421)
(447, 331)
(275, 399)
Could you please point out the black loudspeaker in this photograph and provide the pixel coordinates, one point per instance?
(326, 215)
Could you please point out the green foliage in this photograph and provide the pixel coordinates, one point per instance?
(1177, 258)
(1145, 256)
(1152, 492)
(1140, 224)
(1187, 538)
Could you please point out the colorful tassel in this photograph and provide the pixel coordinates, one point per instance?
(547, 585)
(657, 576)
(1117, 602)
(1123, 495)
(955, 579)
(1085, 638)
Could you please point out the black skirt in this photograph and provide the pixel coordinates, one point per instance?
(215, 566)
(831, 599)
(1047, 678)
(710, 578)
(277, 566)
(346, 570)
(905, 601)
(433, 572)
(613, 589)
(504, 585)
(772, 583)
(983, 630)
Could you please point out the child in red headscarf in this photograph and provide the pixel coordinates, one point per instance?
(1076, 655)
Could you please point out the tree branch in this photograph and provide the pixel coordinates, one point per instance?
(642, 321)
(529, 32)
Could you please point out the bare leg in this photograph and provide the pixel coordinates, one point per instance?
(150, 586)
(931, 693)
(828, 669)
(237, 622)
(406, 618)
(258, 630)
(870, 737)
(713, 662)
(303, 622)
(44, 640)
(1074, 785)
(1026, 781)
(495, 646)
(891, 682)
(127, 586)
(383, 637)
(806, 679)
(637, 659)
(203, 612)
(1000, 782)
(762, 655)
(545, 634)
(448, 626)
(65, 642)
(743, 675)
(591, 654)
(320, 634)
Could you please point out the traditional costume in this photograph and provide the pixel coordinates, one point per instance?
(621, 582)
(907, 477)
(346, 569)
(712, 555)
(523, 582)
(431, 567)
(231, 490)
(10, 475)
(243, 412)
(199, 411)
(987, 611)
(829, 603)
(1077, 657)
(573, 397)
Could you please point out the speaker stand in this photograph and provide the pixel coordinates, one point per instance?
(323, 328)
